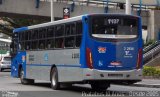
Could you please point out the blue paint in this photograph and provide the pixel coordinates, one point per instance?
(20, 29)
(16, 62)
(83, 42)
(114, 52)
(46, 57)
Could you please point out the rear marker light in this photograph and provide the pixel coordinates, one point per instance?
(88, 74)
(89, 58)
(139, 59)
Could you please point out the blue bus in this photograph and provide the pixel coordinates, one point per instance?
(95, 49)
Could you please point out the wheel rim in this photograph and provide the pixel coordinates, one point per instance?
(54, 79)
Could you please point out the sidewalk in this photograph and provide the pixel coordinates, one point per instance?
(152, 83)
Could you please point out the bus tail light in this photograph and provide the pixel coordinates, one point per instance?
(89, 58)
(139, 59)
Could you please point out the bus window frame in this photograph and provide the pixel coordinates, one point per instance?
(36, 37)
(78, 34)
(70, 35)
(113, 40)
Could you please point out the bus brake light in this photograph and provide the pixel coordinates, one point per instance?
(139, 59)
(89, 58)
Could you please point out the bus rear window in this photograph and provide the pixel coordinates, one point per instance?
(114, 28)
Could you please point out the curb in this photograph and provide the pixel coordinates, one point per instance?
(147, 85)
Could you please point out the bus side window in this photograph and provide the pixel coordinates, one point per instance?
(67, 29)
(50, 32)
(78, 40)
(42, 33)
(26, 35)
(59, 43)
(79, 27)
(69, 41)
(69, 35)
(42, 44)
(30, 34)
(73, 29)
(27, 45)
(34, 44)
(50, 43)
(79, 33)
(22, 36)
(35, 34)
(59, 31)
(22, 46)
(70, 29)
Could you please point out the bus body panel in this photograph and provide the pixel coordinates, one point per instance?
(38, 71)
(124, 53)
(111, 75)
(39, 64)
(19, 59)
(63, 57)
(83, 43)
(114, 55)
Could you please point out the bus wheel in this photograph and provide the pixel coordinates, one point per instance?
(1, 69)
(54, 79)
(23, 80)
(99, 86)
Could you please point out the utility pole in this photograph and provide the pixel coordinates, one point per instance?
(128, 7)
(52, 11)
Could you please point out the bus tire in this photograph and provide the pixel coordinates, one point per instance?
(54, 79)
(23, 80)
(1, 69)
(99, 86)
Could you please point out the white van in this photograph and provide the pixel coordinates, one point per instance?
(5, 63)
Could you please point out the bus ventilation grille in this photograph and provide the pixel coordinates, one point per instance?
(115, 75)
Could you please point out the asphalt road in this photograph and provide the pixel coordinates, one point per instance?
(11, 87)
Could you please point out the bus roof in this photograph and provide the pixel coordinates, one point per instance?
(48, 24)
(62, 21)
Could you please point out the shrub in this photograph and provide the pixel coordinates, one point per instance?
(148, 71)
(157, 73)
(151, 71)
(149, 43)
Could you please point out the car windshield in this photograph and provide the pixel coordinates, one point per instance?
(114, 27)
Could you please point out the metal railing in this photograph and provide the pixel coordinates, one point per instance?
(151, 46)
(151, 52)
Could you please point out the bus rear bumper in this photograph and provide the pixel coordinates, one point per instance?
(93, 74)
